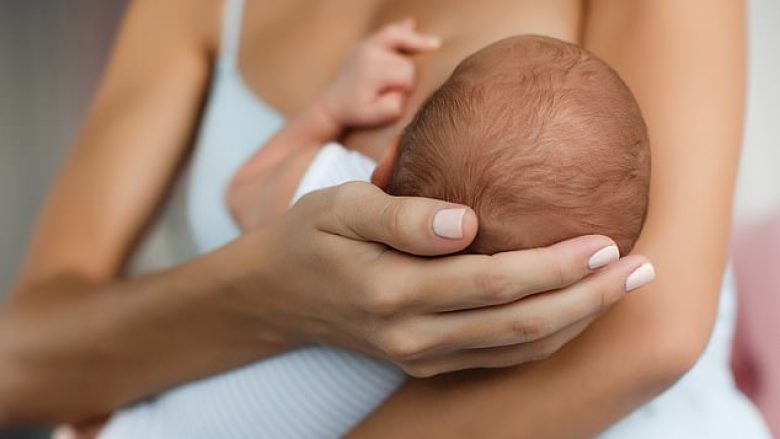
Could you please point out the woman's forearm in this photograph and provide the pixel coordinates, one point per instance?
(91, 348)
(633, 353)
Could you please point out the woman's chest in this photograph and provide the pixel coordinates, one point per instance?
(290, 50)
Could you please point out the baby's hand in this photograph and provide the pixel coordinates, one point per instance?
(376, 79)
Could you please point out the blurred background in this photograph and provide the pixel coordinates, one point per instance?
(52, 53)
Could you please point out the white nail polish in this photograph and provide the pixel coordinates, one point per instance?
(605, 256)
(448, 223)
(643, 275)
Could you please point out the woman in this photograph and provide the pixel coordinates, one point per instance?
(147, 111)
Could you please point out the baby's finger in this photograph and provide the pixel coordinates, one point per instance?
(408, 23)
(395, 72)
(388, 106)
(405, 38)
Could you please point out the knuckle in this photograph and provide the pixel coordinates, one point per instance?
(557, 273)
(346, 198)
(374, 54)
(601, 300)
(394, 108)
(605, 296)
(365, 62)
(537, 355)
(314, 208)
(529, 329)
(401, 346)
(346, 194)
(408, 72)
(392, 31)
(391, 217)
(494, 286)
(545, 349)
(384, 301)
(420, 370)
(561, 272)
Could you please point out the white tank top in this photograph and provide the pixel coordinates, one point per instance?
(320, 392)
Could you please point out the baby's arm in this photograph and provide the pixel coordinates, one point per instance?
(370, 90)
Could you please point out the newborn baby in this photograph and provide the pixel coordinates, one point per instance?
(541, 138)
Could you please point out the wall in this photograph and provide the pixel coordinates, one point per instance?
(758, 189)
(51, 55)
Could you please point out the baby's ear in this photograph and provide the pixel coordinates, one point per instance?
(384, 170)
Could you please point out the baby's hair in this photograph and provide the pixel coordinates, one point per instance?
(541, 138)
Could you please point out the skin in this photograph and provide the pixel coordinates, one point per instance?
(78, 331)
(650, 339)
(370, 91)
(639, 343)
(647, 341)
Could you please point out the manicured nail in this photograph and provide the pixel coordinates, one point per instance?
(643, 275)
(434, 41)
(448, 223)
(605, 256)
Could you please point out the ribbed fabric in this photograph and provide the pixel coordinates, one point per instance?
(319, 392)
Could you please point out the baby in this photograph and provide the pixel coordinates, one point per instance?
(541, 138)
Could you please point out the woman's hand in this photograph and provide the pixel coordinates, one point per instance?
(334, 276)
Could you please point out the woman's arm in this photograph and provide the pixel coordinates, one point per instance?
(77, 340)
(685, 63)
(67, 332)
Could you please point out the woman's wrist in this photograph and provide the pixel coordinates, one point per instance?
(242, 295)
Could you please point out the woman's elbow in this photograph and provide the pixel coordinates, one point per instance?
(674, 349)
(679, 355)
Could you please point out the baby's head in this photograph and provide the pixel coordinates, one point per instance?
(541, 138)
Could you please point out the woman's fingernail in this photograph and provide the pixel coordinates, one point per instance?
(448, 223)
(605, 256)
(643, 275)
(434, 41)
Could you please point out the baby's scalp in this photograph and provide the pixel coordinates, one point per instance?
(541, 138)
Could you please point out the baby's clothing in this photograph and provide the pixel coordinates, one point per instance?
(332, 166)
